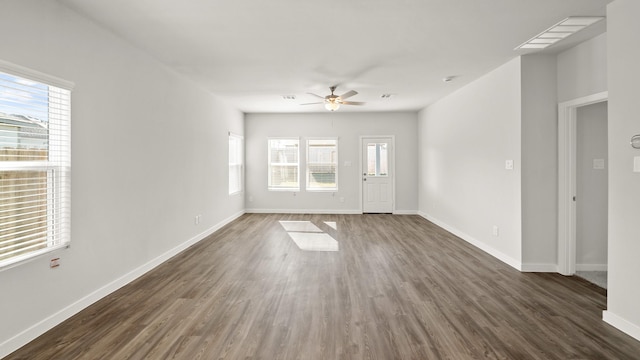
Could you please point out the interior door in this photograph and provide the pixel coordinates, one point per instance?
(377, 175)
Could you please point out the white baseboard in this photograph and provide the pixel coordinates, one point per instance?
(45, 325)
(321, 211)
(405, 212)
(591, 267)
(479, 244)
(541, 268)
(302, 211)
(621, 324)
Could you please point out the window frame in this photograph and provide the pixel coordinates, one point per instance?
(57, 166)
(270, 164)
(236, 167)
(378, 163)
(308, 163)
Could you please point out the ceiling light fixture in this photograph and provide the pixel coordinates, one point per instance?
(559, 31)
(331, 105)
(332, 101)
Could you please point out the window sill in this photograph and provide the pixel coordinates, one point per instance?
(20, 260)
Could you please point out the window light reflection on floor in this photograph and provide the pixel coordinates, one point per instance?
(331, 224)
(309, 237)
(314, 241)
(300, 226)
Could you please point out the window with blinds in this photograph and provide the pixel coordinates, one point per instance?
(284, 164)
(35, 165)
(322, 164)
(235, 164)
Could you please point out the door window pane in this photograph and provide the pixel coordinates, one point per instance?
(377, 159)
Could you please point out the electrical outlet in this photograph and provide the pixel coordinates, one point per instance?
(54, 263)
(508, 164)
(496, 230)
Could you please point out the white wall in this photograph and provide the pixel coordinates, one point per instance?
(348, 127)
(591, 206)
(465, 140)
(623, 53)
(539, 163)
(582, 69)
(149, 152)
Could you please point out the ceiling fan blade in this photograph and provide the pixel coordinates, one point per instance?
(321, 97)
(353, 103)
(348, 94)
(315, 103)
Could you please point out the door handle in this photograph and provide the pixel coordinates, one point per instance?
(365, 179)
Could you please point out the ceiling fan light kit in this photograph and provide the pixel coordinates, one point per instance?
(331, 105)
(332, 101)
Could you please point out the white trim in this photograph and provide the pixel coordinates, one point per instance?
(405, 212)
(477, 243)
(307, 187)
(393, 168)
(621, 324)
(239, 138)
(34, 256)
(592, 267)
(540, 268)
(269, 162)
(567, 128)
(48, 323)
(34, 75)
(303, 211)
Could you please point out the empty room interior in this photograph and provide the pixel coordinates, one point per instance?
(417, 179)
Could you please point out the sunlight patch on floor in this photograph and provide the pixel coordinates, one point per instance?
(331, 224)
(300, 226)
(314, 241)
(309, 237)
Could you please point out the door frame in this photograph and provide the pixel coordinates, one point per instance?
(393, 168)
(567, 141)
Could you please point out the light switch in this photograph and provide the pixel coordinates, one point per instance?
(598, 164)
(508, 164)
(636, 164)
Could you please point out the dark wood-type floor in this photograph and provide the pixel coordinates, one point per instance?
(399, 288)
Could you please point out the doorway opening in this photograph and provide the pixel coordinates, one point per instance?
(592, 193)
(568, 169)
(378, 166)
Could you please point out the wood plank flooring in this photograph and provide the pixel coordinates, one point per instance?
(398, 288)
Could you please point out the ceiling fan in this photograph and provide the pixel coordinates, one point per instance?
(332, 102)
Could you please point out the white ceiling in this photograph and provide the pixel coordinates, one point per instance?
(253, 52)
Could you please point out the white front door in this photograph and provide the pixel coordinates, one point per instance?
(377, 175)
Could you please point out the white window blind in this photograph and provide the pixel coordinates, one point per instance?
(35, 164)
(322, 164)
(284, 164)
(235, 163)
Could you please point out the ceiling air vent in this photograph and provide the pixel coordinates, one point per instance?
(559, 31)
